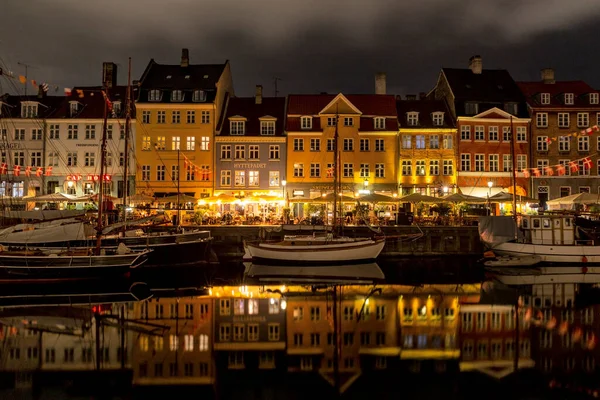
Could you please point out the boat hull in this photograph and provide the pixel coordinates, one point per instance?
(324, 253)
(550, 253)
(545, 275)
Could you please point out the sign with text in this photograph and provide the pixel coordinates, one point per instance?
(250, 165)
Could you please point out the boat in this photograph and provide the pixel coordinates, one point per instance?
(544, 275)
(511, 261)
(350, 274)
(327, 248)
(554, 238)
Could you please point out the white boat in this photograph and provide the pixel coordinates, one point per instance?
(552, 238)
(512, 261)
(310, 249)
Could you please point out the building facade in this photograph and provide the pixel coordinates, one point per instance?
(178, 108)
(251, 147)
(563, 116)
(486, 103)
(427, 146)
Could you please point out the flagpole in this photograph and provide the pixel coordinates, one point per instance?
(126, 153)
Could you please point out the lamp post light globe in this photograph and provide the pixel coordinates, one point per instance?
(490, 184)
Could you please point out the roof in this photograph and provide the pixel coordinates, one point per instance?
(425, 108)
(91, 102)
(492, 85)
(370, 105)
(246, 107)
(168, 77)
(531, 90)
(11, 105)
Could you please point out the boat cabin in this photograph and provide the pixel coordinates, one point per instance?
(549, 229)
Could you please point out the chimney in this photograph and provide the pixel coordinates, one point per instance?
(109, 74)
(476, 64)
(258, 98)
(411, 97)
(41, 92)
(185, 58)
(422, 96)
(380, 83)
(547, 75)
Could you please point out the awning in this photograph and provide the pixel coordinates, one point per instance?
(478, 191)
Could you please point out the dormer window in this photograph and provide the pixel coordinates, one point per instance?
(73, 108)
(594, 98)
(379, 122)
(169, 77)
(199, 96)
(154, 95)
(177, 95)
(511, 108)
(569, 98)
(267, 128)
(237, 127)
(471, 108)
(545, 98)
(116, 107)
(306, 122)
(29, 110)
(412, 118)
(438, 118)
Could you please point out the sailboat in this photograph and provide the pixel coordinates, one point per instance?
(329, 248)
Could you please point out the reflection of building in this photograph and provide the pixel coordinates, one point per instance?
(23, 131)
(251, 151)
(178, 107)
(179, 352)
(487, 339)
(427, 146)
(367, 128)
(484, 102)
(559, 111)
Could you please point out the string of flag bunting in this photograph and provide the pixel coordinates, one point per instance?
(190, 166)
(563, 328)
(584, 163)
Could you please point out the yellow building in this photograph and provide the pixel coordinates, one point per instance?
(178, 107)
(367, 129)
(427, 145)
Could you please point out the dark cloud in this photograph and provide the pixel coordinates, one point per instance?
(311, 45)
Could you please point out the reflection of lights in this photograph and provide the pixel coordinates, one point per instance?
(490, 184)
(423, 310)
(282, 288)
(210, 292)
(283, 304)
(445, 189)
(367, 301)
(272, 300)
(70, 184)
(395, 194)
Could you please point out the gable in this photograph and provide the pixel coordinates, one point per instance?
(340, 105)
(494, 113)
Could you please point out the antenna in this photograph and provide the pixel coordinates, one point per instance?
(27, 66)
(275, 80)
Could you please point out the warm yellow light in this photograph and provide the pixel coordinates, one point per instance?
(283, 304)
(210, 292)
(272, 301)
(282, 288)
(367, 301)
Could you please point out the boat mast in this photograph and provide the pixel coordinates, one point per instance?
(336, 171)
(514, 173)
(102, 170)
(178, 189)
(126, 153)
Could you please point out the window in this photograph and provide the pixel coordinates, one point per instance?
(90, 159)
(306, 122)
(188, 343)
(225, 178)
(329, 170)
(465, 132)
(434, 142)
(237, 127)
(379, 145)
(273, 330)
(274, 152)
(176, 117)
(348, 313)
(482, 350)
(36, 134)
(364, 145)
(521, 162)
(379, 170)
(239, 332)
(407, 141)
(471, 108)
(298, 144)
(161, 117)
(273, 306)
(315, 144)
(205, 117)
(240, 178)
(420, 168)
(348, 144)
(583, 143)
(545, 98)
(72, 159)
(226, 152)
(160, 172)
(563, 120)
(191, 117)
(447, 167)
(199, 96)
(406, 168)
(412, 118)
(364, 170)
(379, 122)
(583, 120)
(348, 121)
(161, 143)
(420, 141)
(569, 98)
(564, 143)
(315, 170)
(154, 95)
(298, 170)
(315, 314)
(253, 152)
(176, 143)
(479, 162)
(330, 144)
(593, 98)
(29, 110)
(267, 128)
(380, 312)
(479, 133)
(177, 95)
(492, 133)
(36, 158)
(331, 121)
(146, 117)
(273, 178)
(348, 170)
(53, 158)
(240, 152)
(348, 339)
(467, 322)
(493, 162)
(542, 165)
(225, 332)
(542, 120)
(506, 162)
(253, 178)
(542, 143)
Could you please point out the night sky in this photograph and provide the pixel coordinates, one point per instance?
(311, 45)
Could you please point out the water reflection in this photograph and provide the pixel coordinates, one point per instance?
(422, 328)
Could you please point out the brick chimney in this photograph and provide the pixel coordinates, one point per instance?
(547, 75)
(411, 97)
(258, 97)
(109, 74)
(476, 64)
(185, 58)
(380, 83)
(41, 92)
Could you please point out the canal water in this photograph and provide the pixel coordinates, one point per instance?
(411, 327)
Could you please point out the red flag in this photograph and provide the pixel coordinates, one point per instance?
(526, 173)
(574, 167)
(3, 168)
(39, 171)
(67, 91)
(80, 93)
(108, 102)
(549, 171)
(48, 171)
(17, 170)
(28, 171)
(560, 169)
(536, 172)
(587, 163)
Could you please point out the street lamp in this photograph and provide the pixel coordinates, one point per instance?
(445, 189)
(283, 185)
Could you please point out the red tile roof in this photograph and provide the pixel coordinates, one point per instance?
(247, 107)
(531, 90)
(91, 105)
